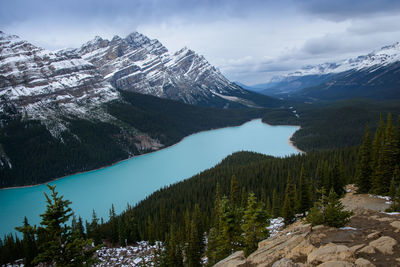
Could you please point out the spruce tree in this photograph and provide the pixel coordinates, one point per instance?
(114, 234)
(227, 229)
(287, 210)
(60, 247)
(304, 193)
(234, 192)
(213, 233)
(334, 213)
(150, 230)
(173, 251)
(276, 210)
(389, 154)
(196, 243)
(243, 198)
(377, 157)
(364, 164)
(254, 224)
(93, 230)
(289, 202)
(28, 242)
(212, 247)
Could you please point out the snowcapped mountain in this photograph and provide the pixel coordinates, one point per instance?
(137, 63)
(376, 59)
(373, 75)
(39, 84)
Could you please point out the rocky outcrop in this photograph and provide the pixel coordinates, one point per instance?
(330, 252)
(384, 244)
(38, 83)
(237, 259)
(368, 240)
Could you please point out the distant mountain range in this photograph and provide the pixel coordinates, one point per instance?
(375, 75)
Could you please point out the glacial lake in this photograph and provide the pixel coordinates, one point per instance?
(132, 180)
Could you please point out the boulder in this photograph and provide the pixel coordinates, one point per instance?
(301, 250)
(274, 249)
(396, 224)
(360, 262)
(237, 259)
(356, 247)
(336, 264)
(374, 235)
(384, 244)
(330, 252)
(367, 249)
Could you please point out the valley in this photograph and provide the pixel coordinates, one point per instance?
(140, 151)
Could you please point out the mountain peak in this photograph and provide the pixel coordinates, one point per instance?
(137, 39)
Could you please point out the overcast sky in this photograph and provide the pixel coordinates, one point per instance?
(248, 40)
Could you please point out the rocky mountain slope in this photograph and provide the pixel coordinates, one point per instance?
(139, 64)
(39, 84)
(370, 239)
(374, 75)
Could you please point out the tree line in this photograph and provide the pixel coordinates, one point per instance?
(378, 168)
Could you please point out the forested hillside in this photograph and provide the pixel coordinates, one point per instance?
(36, 156)
(339, 124)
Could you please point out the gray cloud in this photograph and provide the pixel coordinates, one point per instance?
(250, 41)
(344, 9)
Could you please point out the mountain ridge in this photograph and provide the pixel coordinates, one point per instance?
(140, 64)
(362, 76)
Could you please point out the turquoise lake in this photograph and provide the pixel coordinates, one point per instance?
(132, 180)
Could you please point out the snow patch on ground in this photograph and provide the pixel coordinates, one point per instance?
(348, 228)
(276, 225)
(392, 213)
(387, 198)
(142, 254)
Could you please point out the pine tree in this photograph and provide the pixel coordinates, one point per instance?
(254, 224)
(114, 235)
(213, 234)
(150, 230)
(243, 198)
(212, 247)
(173, 251)
(187, 225)
(389, 154)
(287, 210)
(289, 202)
(60, 247)
(334, 213)
(276, 211)
(376, 157)
(92, 229)
(227, 232)
(28, 242)
(196, 243)
(316, 214)
(269, 208)
(304, 194)
(234, 192)
(364, 164)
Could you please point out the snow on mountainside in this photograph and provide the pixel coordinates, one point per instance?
(39, 84)
(383, 57)
(369, 75)
(137, 63)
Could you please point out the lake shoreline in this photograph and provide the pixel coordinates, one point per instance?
(290, 142)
